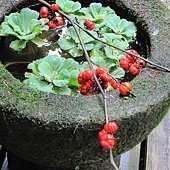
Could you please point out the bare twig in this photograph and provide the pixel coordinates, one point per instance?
(111, 45)
(91, 67)
(112, 160)
(105, 109)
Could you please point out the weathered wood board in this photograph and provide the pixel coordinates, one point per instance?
(158, 146)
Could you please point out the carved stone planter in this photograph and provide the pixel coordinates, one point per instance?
(61, 131)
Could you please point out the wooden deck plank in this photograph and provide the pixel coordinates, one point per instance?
(158, 146)
(130, 159)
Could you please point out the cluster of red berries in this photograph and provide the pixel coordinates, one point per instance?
(132, 64)
(106, 137)
(55, 21)
(90, 25)
(89, 85)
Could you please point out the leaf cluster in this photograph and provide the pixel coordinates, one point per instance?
(24, 26)
(68, 6)
(53, 74)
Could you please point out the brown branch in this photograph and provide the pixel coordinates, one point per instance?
(111, 45)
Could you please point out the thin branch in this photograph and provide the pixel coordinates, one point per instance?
(45, 3)
(111, 45)
(91, 67)
(112, 160)
(105, 109)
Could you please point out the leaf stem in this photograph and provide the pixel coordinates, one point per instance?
(45, 3)
(105, 109)
(111, 45)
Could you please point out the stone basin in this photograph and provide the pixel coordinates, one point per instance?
(61, 131)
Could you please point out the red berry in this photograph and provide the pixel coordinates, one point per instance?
(89, 24)
(114, 84)
(142, 63)
(54, 7)
(124, 63)
(88, 74)
(108, 141)
(125, 88)
(51, 25)
(100, 70)
(83, 90)
(127, 85)
(59, 21)
(136, 65)
(43, 15)
(111, 127)
(89, 84)
(131, 58)
(101, 133)
(44, 12)
(105, 145)
(87, 88)
(92, 27)
(133, 70)
(80, 78)
(105, 77)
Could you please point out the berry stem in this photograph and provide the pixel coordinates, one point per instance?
(45, 3)
(111, 45)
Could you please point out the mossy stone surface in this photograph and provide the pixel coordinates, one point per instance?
(61, 131)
